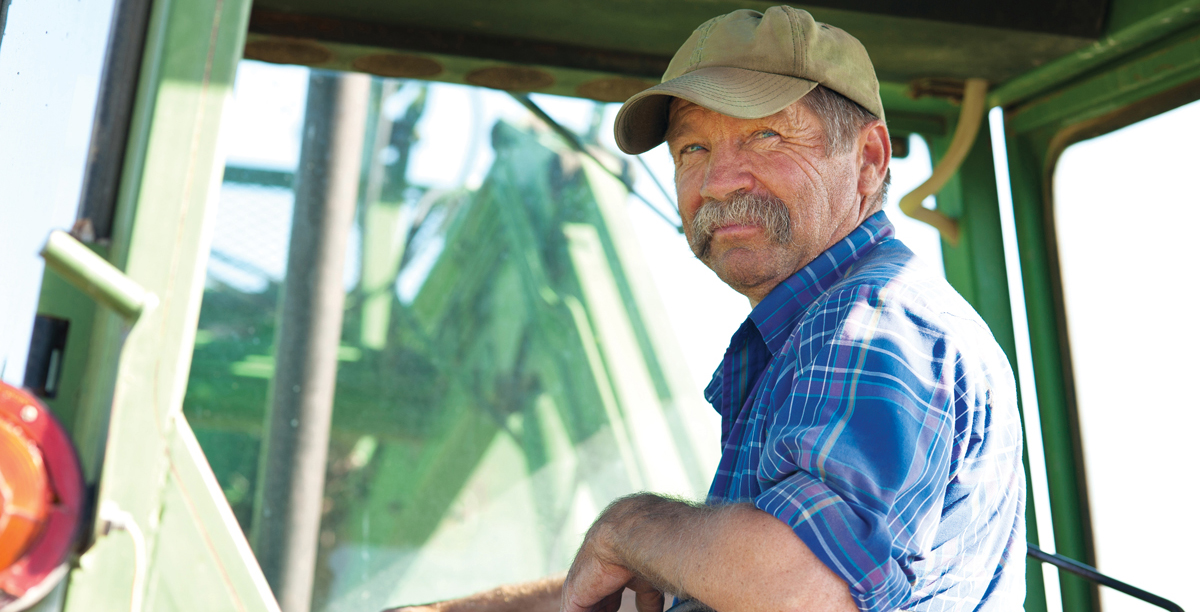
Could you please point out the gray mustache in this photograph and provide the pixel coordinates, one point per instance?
(766, 212)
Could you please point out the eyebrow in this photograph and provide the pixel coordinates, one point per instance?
(672, 132)
(675, 128)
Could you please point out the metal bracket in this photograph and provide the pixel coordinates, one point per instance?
(95, 276)
(973, 104)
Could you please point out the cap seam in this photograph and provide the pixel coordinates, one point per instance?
(698, 54)
(797, 34)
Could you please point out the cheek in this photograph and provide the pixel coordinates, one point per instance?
(687, 190)
(822, 185)
(842, 176)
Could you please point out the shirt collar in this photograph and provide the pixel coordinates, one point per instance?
(776, 316)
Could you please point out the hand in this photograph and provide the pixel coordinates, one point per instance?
(598, 580)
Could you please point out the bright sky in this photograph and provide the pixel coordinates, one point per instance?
(49, 70)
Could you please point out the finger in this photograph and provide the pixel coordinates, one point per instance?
(650, 601)
(591, 581)
(647, 598)
(612, 603)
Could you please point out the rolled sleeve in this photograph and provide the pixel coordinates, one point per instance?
(852, 546)
(857, 453)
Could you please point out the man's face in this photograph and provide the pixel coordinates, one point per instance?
(759, 198)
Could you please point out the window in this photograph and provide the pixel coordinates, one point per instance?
(1122, 205)
(50, 65)
(503, 372)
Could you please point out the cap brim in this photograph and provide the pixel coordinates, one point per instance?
(737, 92)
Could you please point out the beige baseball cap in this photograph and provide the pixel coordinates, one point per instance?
(749, 65)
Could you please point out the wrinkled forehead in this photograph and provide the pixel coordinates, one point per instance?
(683, 113)
(675, 109)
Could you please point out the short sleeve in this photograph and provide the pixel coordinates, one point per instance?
(857, 454)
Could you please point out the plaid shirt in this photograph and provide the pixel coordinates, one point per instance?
(866, 405)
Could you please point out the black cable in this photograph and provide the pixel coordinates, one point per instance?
(573, 141)
(1090, 573)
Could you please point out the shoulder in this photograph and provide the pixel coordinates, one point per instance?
(892, 299)
(892, 279)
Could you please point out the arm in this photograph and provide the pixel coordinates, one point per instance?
(537, 596)
(729, 557)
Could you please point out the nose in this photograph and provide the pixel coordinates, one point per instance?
(727, 172)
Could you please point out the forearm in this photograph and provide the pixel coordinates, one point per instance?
(729, 557)
(538, 596)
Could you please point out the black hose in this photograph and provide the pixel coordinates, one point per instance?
(1090, 573)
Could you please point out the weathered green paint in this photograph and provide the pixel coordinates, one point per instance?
(1132, 36)
(1039, 271)
(129, 413)
(59, 299)
(1123, 14)
(1159, 67)
(200, 559)
(903, 48)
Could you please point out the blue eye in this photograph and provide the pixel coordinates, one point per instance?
(692, 148)
(767, 133)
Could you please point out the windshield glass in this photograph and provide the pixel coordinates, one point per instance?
(521, 338)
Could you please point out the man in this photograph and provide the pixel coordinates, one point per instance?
(871, 445)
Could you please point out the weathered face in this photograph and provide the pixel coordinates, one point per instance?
(758, 197)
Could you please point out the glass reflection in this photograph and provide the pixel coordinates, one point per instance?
(505, 367)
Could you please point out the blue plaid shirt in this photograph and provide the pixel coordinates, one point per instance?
(865, 404)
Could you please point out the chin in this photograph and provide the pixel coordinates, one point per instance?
(748, 279)
(750, 272)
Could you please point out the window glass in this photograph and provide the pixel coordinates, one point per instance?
(520, 344)
(51, 57)
(1129, 289)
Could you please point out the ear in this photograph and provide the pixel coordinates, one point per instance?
(874, 156)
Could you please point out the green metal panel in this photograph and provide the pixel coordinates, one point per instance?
(128, 417)
(1124, 13)
(201, 557)
(1126, 36)
(1054, 379)
(1162, 66)
(60, 300)
(630, 37)
(976, 266)
(1149, 77)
